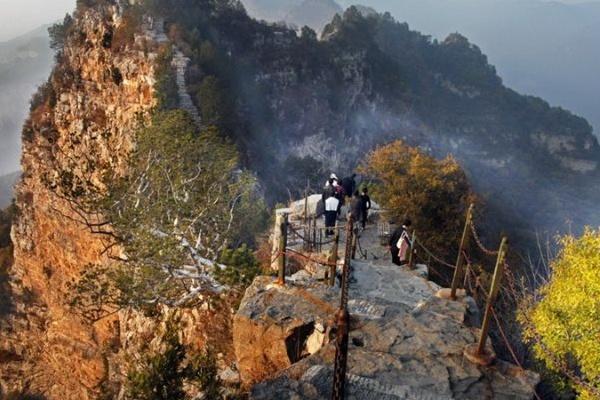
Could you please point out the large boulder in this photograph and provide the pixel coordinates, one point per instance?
(277, 326)
(404, 354)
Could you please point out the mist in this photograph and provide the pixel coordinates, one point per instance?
(25, 63)
(18, 17)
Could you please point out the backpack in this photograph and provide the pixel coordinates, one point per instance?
(320, 208)
(404, 246)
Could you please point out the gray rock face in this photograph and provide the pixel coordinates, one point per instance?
(405, 343)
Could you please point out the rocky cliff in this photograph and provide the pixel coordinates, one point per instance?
(81, 130)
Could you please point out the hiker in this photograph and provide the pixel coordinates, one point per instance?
(329, 189)
(331, 212)
(365, 206)
(400, 245)
(340, 194)
(356, 207)
(349, 184)
(333, 177)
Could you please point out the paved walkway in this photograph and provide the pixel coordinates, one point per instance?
(405, 343)
(155, 31)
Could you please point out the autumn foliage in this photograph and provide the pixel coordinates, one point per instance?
(564, 326)
(434, 194)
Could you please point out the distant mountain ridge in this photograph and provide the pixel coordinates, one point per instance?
(313, 13)
(544, 48)
(305, 105)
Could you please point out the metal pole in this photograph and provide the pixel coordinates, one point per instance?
(464, 243)
(411, 256)
(314, 234)
(305, 237)
(495, 289)
(320, 240)
(341, 356)
(282, 250)
(343, 318)
(347, 258)
(354, 244)
(306, 205)
(334, 258)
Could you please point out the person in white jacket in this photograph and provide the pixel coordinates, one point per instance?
(331, 212)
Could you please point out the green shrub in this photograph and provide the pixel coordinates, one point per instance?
(242, 267)
(162, 376)
(58, 33)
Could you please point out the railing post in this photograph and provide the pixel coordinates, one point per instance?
(464, 243)
(282, 249)
(341, 356)
(334, 258)
(478, 354)
(343, 319)
(411, 256)
(320, 242)
(305, 205)
(314, 235)
(496, 283)
(354, 244)
(305, 237)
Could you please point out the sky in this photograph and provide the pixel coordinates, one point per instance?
(21, 16)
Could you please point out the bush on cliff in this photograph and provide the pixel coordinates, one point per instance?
(162, 375)
(242, 267)
(184, 202)
(564, 326)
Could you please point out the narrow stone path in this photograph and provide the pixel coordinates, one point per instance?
(405, 343)
(180, 63)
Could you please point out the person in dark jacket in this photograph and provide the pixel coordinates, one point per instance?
(401, 231)
(356, 207)
(365, 206)
(349, 184)
(340, 194)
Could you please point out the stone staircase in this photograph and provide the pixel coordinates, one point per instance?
(155, 32)
(180, 63)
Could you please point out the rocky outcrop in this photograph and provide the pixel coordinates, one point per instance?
(405, 342)
(271, 332)
(82, 130)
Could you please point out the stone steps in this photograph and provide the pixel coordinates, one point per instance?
(180, 64)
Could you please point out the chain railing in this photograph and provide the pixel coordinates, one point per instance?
(476, 352)
(343, 321)
(480, 245)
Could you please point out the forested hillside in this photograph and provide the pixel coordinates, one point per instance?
(310, 106)
(546, 48)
